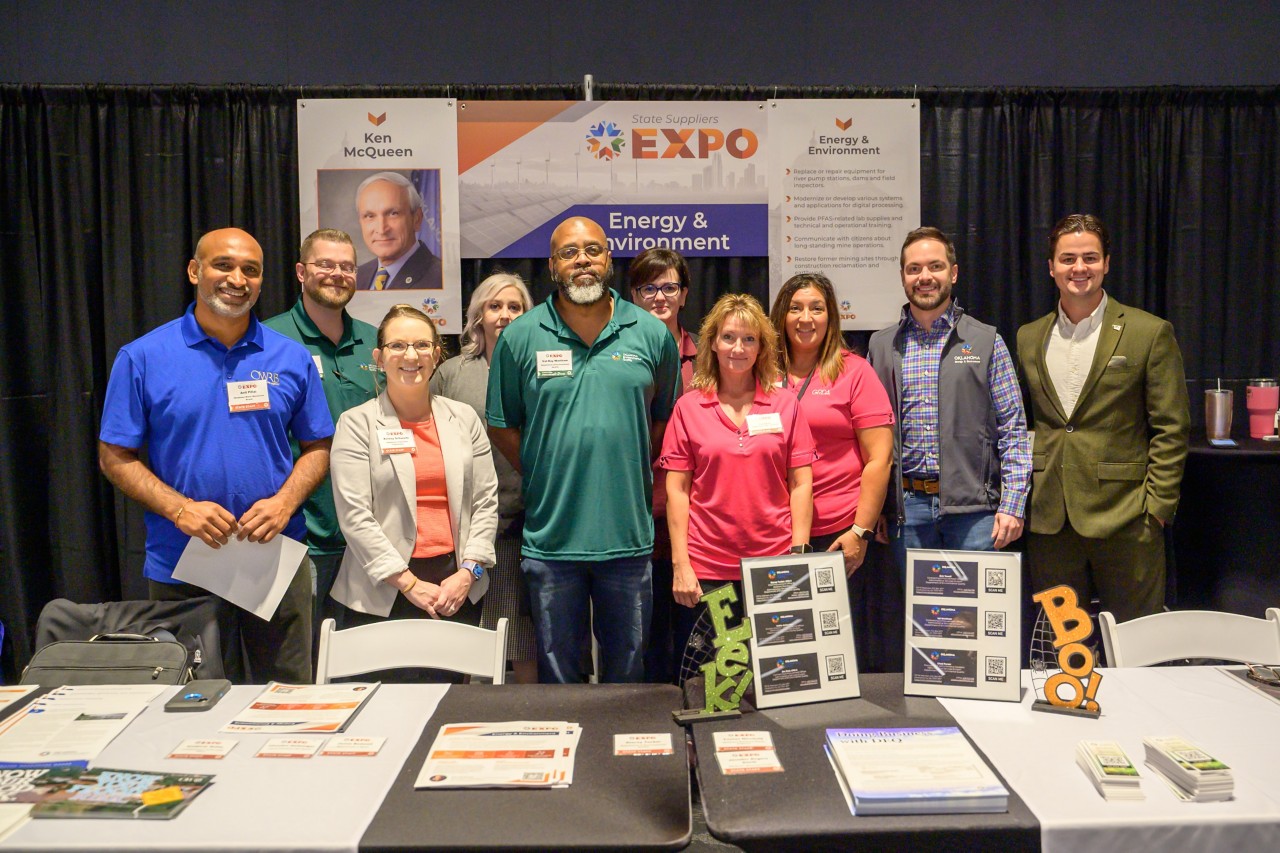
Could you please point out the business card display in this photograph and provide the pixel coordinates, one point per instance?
(964, 624)
(802, 633)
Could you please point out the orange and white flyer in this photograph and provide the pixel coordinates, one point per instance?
(519, 754)
(298, 708)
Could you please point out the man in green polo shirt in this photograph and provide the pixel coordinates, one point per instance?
(580, 389)
(342, 348)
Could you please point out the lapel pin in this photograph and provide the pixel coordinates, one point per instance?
(1115, 326)
(409, 280)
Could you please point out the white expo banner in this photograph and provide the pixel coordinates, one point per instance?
(844, 190)
(689, 176)
(360, 164)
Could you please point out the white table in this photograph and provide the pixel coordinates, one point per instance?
(322, 803)
(1035, 752)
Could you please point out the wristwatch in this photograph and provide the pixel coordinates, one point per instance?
(863, 533)
(477, 570)
(806, 548)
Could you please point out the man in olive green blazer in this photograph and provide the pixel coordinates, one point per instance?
(1109, 401)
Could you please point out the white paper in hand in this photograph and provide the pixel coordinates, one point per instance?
(251, 575)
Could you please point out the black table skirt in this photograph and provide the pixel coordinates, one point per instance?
(803, 809)
(637, 802)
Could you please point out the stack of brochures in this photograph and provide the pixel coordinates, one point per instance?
(519, 754)
(69, 791)
(303, 708)
(1109, 769)
(913, 771)
(1193, 774)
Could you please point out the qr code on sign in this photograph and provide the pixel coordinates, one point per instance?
(995, 669)
(996, 582)
(995, 623)
(835, 668)
(825, 580)
(830, 620)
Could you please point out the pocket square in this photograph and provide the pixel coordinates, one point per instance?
(1117, 361)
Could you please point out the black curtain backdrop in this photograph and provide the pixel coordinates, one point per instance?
(105, 189)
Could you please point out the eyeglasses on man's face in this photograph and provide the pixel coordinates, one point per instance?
(648, 291)
(591, 250)
(401, 347)
(329, 267)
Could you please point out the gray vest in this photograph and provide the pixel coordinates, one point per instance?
(969, 459)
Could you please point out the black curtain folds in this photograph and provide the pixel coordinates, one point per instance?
(106, 188)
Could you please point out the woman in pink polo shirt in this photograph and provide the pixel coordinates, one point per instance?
(847, 410)
(852, 422)
(738, 456)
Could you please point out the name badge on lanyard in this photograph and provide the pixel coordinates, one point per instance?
(770, 422)
(558, 362)
(249, 396)
(396, 441)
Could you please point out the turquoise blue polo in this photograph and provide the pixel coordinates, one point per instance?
(584, 431)
(346, 373)
(168, 391)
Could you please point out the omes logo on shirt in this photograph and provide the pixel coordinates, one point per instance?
(966, 356)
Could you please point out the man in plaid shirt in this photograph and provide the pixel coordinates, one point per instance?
(962, 459)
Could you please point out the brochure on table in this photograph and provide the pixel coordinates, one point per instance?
(801, 631)
(303, 708)
(72, 724)
(515, 754)
(963, 630)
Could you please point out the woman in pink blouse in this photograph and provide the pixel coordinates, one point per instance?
(852, 422)
(848, 413)
(738, 456)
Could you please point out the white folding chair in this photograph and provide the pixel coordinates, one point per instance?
(1182, 634)
(398, 643)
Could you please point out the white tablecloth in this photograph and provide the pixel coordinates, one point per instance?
(1035, 752)
(321, 803)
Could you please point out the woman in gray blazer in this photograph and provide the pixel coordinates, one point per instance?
(415, 490)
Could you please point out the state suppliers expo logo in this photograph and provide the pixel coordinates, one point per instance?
(846, 310)
(430, 305)
(604, 140)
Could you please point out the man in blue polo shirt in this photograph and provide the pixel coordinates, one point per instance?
(215, 397)
(580, 389)
(342, 348)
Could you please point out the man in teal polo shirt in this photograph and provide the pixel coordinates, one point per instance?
(342, 348)
(580, 389)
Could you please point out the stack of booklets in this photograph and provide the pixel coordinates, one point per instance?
(70, 791)
(913, 771)
(1193, 774)
(519, 754)
(303, 708)
(1109, 769)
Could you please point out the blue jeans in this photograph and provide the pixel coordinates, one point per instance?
(621, 594)
(926, 527)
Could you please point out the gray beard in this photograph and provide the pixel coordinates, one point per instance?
(586, 294)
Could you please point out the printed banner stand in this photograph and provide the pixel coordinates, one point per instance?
(963, 632)
(385, 170)
(802, 632)
(844, 190)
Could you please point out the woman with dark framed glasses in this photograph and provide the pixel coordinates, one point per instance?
(659, 283)
(415, 489)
